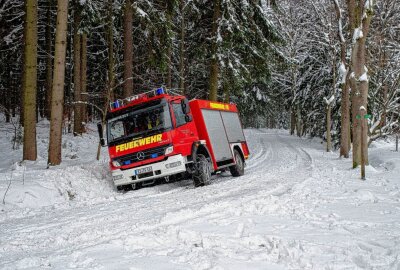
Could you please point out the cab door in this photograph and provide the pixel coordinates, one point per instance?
(184, 133)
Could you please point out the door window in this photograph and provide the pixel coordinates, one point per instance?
(179, 115)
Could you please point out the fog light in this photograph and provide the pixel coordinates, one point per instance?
(117, 177)
(173, 164)
(169, 150)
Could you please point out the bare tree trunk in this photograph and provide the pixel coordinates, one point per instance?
(214, 66)
(169, 49)
(110, 39)
(292, 121)
(77, 71)
(358, 78)
(30, 86)
(128, 49)
(57, 99)
(345, 101)
(328, 128)
(298, 122)
(84, 94)
(111, 75)
(182, 50)
(49, 62)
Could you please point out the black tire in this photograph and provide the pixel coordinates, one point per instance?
(202, 173)
(238, 168)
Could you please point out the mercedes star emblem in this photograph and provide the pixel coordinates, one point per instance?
(140, 155)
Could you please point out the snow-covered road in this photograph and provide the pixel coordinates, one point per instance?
(296, 207)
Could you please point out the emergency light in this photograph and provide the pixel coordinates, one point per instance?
(160, 91)
(115, 104)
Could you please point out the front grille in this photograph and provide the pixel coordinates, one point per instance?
(138, 156)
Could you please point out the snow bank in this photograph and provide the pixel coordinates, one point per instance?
(80, 179)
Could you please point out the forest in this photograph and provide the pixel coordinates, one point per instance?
(312, 67)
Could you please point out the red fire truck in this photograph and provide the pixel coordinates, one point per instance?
(159, 135)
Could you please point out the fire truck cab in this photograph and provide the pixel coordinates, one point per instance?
(158, 135)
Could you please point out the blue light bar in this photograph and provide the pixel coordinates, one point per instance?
(116, 104)
(154, 155)
(127, 162)
(160, 91)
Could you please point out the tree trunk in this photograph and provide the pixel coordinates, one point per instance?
(214, 66)
(57, 98)
(77, 72)
(182, 50)
(359, 82)
(49, 62)
(345, 101)
(328, 128)
(111, 75)
(84, 94)
(110, 39)
(128, 49)
(292, 121)
(298, 122)
(345, 121)
(30, 86)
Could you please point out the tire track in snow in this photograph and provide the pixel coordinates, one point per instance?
(269, 175)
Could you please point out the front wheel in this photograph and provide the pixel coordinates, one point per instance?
(202, 173)
(238, 168)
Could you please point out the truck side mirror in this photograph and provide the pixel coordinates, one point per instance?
(188, 118)
(185, 106)
(100, 130)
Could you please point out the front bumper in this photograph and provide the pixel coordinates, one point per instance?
(158, 170)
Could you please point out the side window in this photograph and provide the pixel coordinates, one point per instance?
(117, 130)
(179, 115)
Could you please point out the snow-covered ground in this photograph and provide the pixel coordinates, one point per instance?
(296, 207)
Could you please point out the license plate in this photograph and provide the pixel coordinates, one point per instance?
(143, 170)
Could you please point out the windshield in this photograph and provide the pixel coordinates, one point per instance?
(140, 122)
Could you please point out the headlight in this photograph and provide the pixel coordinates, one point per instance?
(169, 150)
(115, 163)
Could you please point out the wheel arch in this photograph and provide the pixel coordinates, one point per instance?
(239, 149)
(199, 148)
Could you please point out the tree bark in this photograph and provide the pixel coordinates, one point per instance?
(292, 121)
(111, 76)
(84, 94)
(49, 62)
(30, 86)
(57, 99)
(345, 100)
(214, 66)
(359, 87)
(110, 39)
(182, 50)
(77, 71)
(328, 128)
(128, 49)
(298, 122)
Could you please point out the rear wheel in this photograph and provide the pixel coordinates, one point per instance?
(238, 168)
(202, 173)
